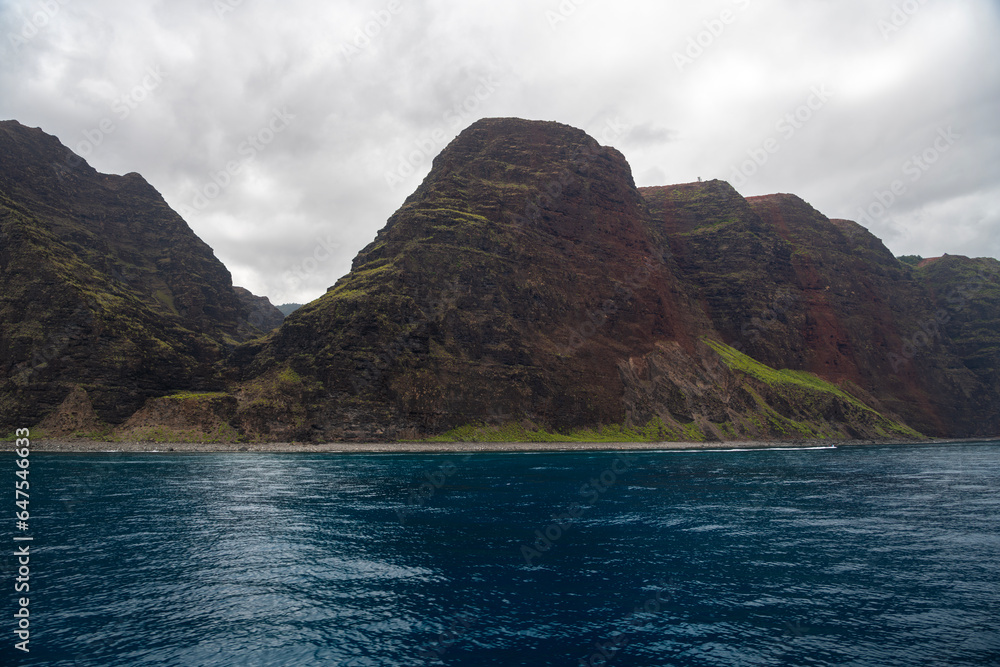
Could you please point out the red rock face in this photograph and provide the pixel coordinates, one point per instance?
(857, 300)
(797, 290)
(826, 293)
(516, 278)
(737, 267)
(526, 281)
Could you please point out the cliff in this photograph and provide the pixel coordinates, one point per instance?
(526, 290)
(797, 290)
(103, 288)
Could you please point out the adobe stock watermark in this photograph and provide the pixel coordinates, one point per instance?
(786, 127)
(795, 630)
(321, 253)
(930, 329)
(55, 346)
(22, 499)
(900, 15)
(430, 144)
(408, 338)
(121, 108)
(580, 162)
(458, 628)
(93, 481)
(434, 481)
(713, 29)
(562, 13)
(640, 616)
(915, 168)
(223, 7)
(35, 23)
(370, 29)
(598, 317)
(248, 151)
(590, 492)
(780, 304)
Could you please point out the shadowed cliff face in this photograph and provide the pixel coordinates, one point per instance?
(863, 309)
(509, 285)
(527, 287)
(526, 283)
(737, 266)
(966, 325)
(796, 290)
(103, 286)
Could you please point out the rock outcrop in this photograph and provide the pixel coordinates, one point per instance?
(797, 290)
(527, 282)
(527, 289)
(262, 315)
(102, 287)
(875, 307)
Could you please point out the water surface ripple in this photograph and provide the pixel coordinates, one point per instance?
(847, 556)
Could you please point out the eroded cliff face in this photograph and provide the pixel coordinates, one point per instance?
(508, 286)
(526, 283)
(102, 287)
(527, 289)
(959, 343)
(737, 267)
(797, 290)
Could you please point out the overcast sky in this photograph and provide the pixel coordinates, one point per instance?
(287, 133)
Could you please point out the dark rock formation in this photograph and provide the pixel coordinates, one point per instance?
(797, 290)
(102, 287)
(288, 308)
(961, 338)
(262, 314)
(526, 289)
(525, 282)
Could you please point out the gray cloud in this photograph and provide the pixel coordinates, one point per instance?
(370, 91)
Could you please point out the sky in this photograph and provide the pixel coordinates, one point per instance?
(287, 133)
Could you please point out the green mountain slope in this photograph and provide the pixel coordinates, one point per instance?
(102, 287)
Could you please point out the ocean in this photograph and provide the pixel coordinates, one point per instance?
(876, 555)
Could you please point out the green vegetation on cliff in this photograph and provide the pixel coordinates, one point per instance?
(526, 291)
(821, 411)
(104, 287)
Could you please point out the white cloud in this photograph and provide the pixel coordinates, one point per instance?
(319, 187)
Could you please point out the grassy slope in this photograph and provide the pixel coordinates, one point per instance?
(799, 387)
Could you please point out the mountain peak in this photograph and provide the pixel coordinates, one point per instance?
(526, 284)
(105, 288)
(514, 148)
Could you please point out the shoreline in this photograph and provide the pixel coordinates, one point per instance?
(55, 445)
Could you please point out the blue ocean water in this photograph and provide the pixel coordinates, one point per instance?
(846, 556)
